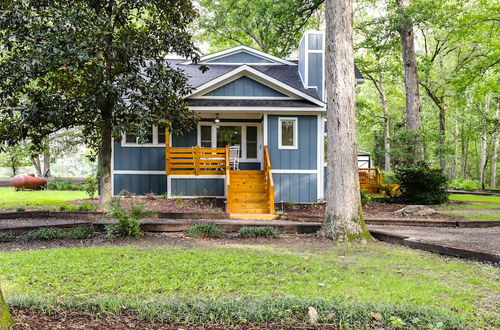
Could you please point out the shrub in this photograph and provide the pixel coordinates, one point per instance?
(206, 230)
(388, 177)
(90, 186)
(420, 184)
(365, 197)
(466, 184)
(83, 232)
(45, 234)
(20, 209)
(68, 207)
(64, 185)
(6, 236)
(128, 222)
(254, 231)
(86, 206)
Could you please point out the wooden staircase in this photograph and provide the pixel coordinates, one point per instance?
(250, 193)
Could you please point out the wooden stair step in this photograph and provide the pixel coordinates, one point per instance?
(251, 195)
(254, 216)
(248, 211)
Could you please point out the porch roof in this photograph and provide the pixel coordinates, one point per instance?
(252, 103)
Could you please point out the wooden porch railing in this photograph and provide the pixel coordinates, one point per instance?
(269, 180)
(196, 161)
(370, 179)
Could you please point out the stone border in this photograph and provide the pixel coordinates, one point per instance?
(454, 250)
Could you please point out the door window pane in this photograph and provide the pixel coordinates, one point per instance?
(251, 142)
(161, 133)
(206, 136)
(288, 138)
(130, 138)
(228, 135)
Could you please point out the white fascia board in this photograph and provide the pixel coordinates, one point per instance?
(243, 48)
(247, 69)
(258, 109)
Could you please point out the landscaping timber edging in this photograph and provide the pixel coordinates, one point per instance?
(479, 193)
(454, 250)
(22, 229)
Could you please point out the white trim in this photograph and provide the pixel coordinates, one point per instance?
(295, 121)
(153, 144)
(112, 167)
(236, 49)
(146, 172)
(265, 123)
(295, 172)
(279, 98)
(320, 151)
(259, 109)
(249, 71)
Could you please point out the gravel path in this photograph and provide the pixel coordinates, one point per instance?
(479, 238)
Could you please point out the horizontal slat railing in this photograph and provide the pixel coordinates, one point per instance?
(370, 179)
(195, 161)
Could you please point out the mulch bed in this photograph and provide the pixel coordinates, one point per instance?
(29, 319)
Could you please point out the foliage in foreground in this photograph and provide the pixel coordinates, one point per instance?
(128, 221)
(365, 197)
(420, 184)
(256, 231)
(87, 206)
(205, 230)
(83, 232)
(283, 310)
(6, 236)
(5, 318)
(45, 234)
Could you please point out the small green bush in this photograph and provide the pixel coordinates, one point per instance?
(20, 209)
(365, 197)
(206, 230)
(420, 184)
(255, 231)
(128, 222)
(90, 186)
(45, 234)
(64, 185)
(6, 236)
(68, 207)
(466, 184)
(86, 206)
(388, 177)
(83, 232)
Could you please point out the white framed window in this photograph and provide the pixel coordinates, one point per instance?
(156, 138)
(288, 133)
(246, 135)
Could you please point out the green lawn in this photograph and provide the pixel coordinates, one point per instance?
(36, 199)
(474, 207)
(373, 273)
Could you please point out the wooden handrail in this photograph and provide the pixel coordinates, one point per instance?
(228, 167)
(270, 181)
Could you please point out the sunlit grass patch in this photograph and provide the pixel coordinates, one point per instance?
(37, 199)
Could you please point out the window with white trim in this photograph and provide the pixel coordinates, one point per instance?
(287, 133)
(155, 137)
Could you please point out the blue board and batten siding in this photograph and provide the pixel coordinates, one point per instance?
(138, 159)
(245, 86)
(296, 187)
(197, 187)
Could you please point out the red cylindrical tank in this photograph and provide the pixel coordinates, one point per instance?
(29, 181)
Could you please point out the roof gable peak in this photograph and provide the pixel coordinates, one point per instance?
(242, 55)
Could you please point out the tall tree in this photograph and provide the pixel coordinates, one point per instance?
(5, 318)
(411, 76)
(96, 65)
(273, 26)
(343, 217)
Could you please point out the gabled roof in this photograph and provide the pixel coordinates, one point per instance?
(227, 56)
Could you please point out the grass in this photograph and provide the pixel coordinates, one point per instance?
(205, 230)
(474, 207)
(37, 199)
(369, 274)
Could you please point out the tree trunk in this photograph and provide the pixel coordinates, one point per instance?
(105, 155)
(5, 318)
(35, 160)
(482, 158)
(494, 156)
(411, 80)
(442, 137)
(13, 166)
(387, 143)
(46, 159)
(454, 170)
(343, 216)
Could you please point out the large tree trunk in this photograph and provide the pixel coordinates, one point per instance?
(5, 318)
(442, 137)
(387, 125)
(105, 155)
(343, 216)
(411, 80)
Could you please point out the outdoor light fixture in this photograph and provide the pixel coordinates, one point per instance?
(217, 120)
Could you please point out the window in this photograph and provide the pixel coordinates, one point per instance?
(228, 135)
(155, 137)
(287, 133)
(251, 141)
(206, 136)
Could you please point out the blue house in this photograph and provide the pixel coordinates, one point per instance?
(272, 108)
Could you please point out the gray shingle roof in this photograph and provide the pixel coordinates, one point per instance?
(287, 74)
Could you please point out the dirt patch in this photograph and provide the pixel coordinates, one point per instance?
(378, 210)
(28, 319)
